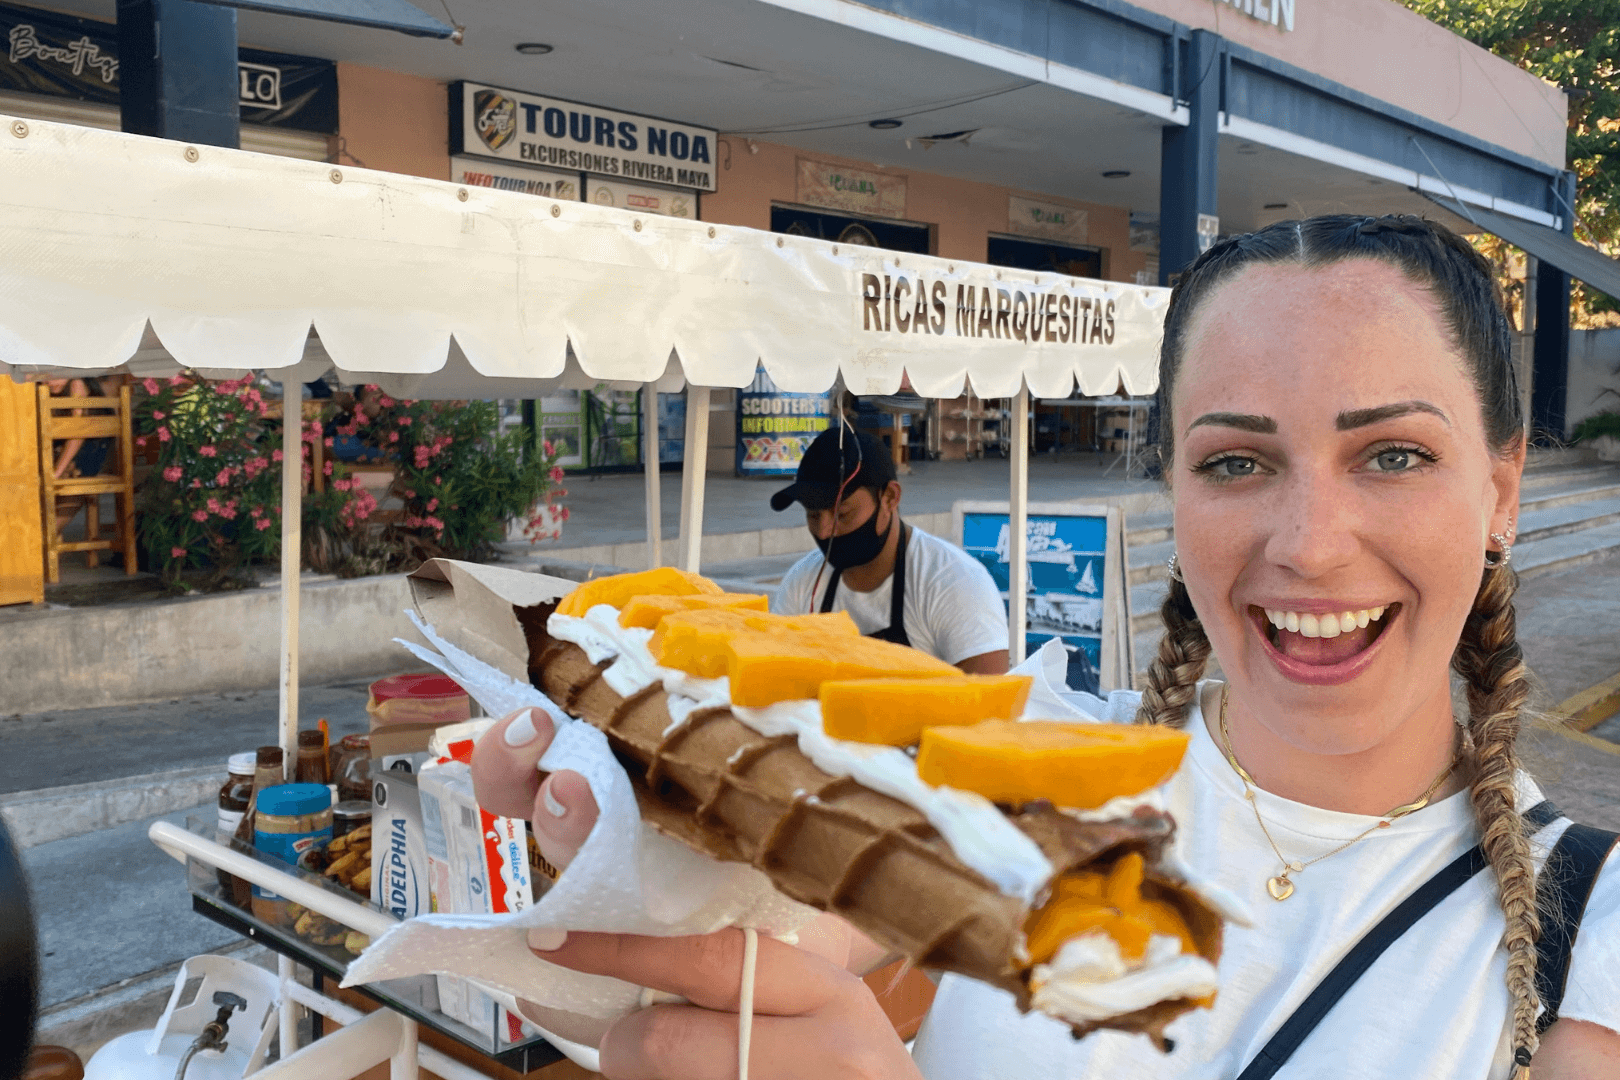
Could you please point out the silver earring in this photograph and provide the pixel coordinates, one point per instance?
(1174, 566)
(1505, 541)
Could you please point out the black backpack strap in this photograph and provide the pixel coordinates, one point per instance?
(1310, 1012)
(1565, 886)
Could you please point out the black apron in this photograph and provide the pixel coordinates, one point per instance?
(896, 630)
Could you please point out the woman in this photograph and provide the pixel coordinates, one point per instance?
(1343, 444)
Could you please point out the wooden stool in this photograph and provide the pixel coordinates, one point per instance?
(56, 421)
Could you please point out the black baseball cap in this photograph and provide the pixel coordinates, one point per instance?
(864, 463)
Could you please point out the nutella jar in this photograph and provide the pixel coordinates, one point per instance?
(349, 816)
(235, 794)
(234, 797)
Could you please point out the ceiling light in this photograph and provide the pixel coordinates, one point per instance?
(1116, 174)
(1276, 206)
(532, 48)
(884, 125)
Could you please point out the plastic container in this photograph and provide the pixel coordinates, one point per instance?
(289, 820)
(351, 768)
(418, 699)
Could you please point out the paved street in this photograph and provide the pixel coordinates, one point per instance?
(44, 750)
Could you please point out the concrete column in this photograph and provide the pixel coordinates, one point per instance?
(177, 71)
(1549, 384)
(1189, 157)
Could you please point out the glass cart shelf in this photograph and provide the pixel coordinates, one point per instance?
(416, 997)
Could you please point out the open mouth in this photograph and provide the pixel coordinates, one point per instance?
(1317, 640)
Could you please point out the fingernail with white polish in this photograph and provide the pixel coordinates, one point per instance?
(546, 939)
(553, 807)
(521, 732)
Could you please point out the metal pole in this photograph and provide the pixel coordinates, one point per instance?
(649, 469)
(289, 1008)
(1017, 522)
(403, 1066)
(694, 474)
(292, 542)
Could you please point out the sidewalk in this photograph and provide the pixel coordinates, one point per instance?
(607, 510)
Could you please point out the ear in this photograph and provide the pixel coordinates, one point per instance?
(1505, 480)
(890, 499)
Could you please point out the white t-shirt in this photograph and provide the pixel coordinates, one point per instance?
(1433, 1005)
(953, 608)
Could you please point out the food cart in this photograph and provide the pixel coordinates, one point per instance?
(129, 254)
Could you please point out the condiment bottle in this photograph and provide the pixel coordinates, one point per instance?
(289, 820)
(234, 797)
(352, 769)
(268, 771)
(311, 767)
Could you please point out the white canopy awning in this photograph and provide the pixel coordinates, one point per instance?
(124, 252)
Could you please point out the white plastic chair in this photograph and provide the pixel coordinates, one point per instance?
(155, 1054)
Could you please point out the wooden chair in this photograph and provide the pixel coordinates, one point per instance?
(57, 422)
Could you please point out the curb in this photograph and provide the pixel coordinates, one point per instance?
(1589, 708)
(38, 817)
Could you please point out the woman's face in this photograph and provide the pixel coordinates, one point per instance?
(1331, 473)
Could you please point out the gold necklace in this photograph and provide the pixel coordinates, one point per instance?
(1281, 886)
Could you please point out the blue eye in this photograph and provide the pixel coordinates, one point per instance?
(1393, 460)
(1231, 467)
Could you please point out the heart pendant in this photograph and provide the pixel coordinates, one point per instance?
(1279, 887)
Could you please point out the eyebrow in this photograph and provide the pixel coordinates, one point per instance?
(1264, 425)
(1356, 418)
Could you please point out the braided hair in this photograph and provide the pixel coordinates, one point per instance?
(1487, 657)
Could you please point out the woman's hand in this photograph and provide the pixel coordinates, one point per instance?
(812, 1017)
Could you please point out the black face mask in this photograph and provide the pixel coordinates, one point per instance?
(857, 547)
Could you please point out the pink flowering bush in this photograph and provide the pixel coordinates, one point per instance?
(213, 498)
(460, 479)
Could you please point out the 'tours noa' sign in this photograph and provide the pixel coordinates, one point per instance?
(491, 122)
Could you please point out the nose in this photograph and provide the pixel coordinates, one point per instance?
(1312, 527)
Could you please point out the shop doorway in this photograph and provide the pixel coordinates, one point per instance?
(1044, 256)
(1057, 428)
(843, 229)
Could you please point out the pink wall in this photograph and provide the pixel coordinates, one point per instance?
(964, 212)
(394, 122)
(1395, 55)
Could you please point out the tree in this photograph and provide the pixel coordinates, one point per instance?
(1573, 44)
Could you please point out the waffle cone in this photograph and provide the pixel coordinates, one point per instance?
(726, 790)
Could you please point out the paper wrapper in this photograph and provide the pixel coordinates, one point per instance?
(774, 824)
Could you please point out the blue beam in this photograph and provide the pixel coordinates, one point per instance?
(177, 71)
(1189, 156)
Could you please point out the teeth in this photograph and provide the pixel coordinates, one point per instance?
(1324, 626)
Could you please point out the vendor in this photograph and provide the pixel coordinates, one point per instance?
(897, 582)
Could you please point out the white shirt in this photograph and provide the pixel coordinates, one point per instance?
(1433, 1005)
(953, 608)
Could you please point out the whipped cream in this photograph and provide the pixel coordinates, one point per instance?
(1090, 980)
(978, 833)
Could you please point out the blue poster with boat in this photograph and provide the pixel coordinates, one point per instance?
(1066, 558)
